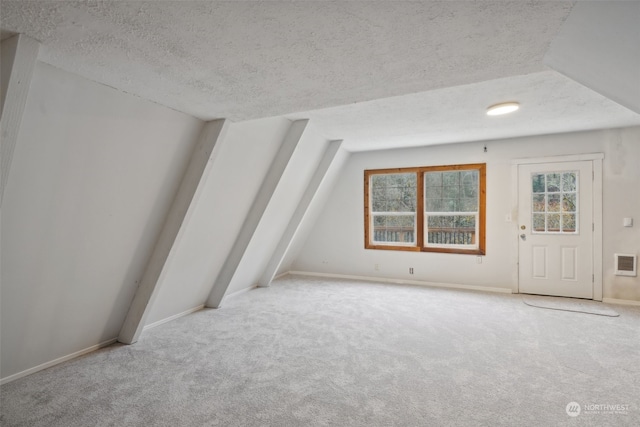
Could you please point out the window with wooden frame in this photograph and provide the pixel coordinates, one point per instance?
(429, 209)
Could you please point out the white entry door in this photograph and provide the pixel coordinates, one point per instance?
(555, 213)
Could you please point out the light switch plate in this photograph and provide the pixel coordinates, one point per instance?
(627, 222)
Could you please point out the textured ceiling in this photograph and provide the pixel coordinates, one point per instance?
(550, 103)
(345, 63)
(245, 60)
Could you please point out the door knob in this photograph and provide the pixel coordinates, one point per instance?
(523, 236)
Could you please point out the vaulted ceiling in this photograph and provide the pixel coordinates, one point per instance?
(377, 74)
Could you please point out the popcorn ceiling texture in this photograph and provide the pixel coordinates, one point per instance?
(551, 103)
(243, 60)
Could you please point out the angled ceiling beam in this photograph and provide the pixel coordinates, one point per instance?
(259, 206)
(301, 211)
(201, 162)
(19, 55)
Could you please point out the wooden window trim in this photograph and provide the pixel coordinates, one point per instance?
(420, 171)
(367, 219)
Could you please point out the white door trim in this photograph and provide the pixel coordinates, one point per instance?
(596, 159)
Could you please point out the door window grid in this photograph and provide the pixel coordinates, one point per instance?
(554, 204)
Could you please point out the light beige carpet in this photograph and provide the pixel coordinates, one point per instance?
(321, 352)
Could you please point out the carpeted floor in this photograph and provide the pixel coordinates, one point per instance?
(323, 352)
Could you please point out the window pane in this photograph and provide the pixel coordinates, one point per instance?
(433, 179)
(433, 192)
(437, 221)
(450, 191)
(538, 203)
(378, 204)
(569, 223)
(537, 182)
(538, 222)
(569, 181)
(553, 223)
(554, 203)
(393, 204)
(469, 190)
(451, 205)
(559, 191)
(393, 192)
(468, 205)
(433, 205)
(553, 182)
(469, 178)
(450, 178)
(569, 203)
(451, 229)
(394, 228)
(455, 191)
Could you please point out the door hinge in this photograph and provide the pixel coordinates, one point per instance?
(593, 226)
(593, 278)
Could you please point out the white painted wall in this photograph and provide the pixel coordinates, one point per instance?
(281, 207)
(621, 195)
(245, 157)
(336, 243)
(315, 210)
(93, 175)
(8, 49)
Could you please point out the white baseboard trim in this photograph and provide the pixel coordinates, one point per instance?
(274, 278)
(621, 301)
(282, 275)
(57, 361)
(240, 292)
(174, 317)
(405, 282)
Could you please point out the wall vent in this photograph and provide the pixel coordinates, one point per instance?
(626, 265)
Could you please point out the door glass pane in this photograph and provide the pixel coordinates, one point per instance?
(537, 181)
(569, 181)
(568, 223)
(538, 223)
(554, 206)
(539, 204)
(553, 222)
(569, 202)
(553, 182)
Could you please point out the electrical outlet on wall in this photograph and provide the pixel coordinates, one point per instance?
(376, 266)
(410, 270)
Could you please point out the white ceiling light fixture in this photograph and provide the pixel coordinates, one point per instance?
(502, 108)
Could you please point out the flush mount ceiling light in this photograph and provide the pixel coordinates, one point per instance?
(502, 108)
